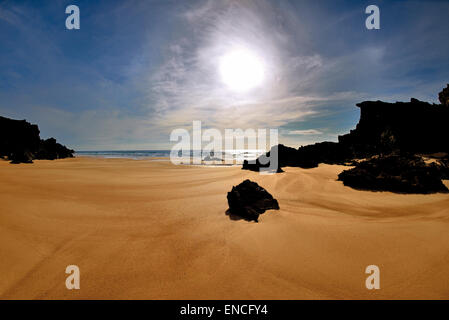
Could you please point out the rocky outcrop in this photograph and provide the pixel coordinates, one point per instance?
(49, 149)
(395, 173)
(305, 157)
(442, 163)
(248, 200)
(384, 128)
(414, 127)
(20, 142)
(443, 96)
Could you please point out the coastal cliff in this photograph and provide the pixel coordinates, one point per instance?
(20, 143)
(406, 129)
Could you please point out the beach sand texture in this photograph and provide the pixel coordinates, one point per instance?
(152, 230)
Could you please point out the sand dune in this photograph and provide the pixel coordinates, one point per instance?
(152, 230)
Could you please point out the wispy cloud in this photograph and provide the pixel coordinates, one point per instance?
(138, 69)
(307, 132)
(12, 14)
(188, 87)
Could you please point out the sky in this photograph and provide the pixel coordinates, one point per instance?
(136, 70)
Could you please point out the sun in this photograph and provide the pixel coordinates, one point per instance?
(241, 70)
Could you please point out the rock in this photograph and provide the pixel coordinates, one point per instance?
(18, 139)
(413, 127)
(384, 128)
(248, 200)
(49, 149)
(443, 166)
(395, 173)
(20, 143)
(21, 157)
(286, 155)
(443, 96)
(304, 157)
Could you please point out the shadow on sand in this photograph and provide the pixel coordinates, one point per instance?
(236, 217)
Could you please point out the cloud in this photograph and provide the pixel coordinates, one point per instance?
(187, 85)
(139, 69)
(307, 132)
(11, 15)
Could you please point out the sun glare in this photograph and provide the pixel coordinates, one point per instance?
(241, 70)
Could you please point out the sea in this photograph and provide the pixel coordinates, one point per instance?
(207, 158)
(127, 154)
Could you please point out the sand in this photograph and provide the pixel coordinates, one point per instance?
(142, 229)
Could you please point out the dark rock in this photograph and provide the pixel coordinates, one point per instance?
(286, 156)
(248, 200)
(49, 149)
(20, 143)
(443, 96)
(414, 127)
(395, 173)
(18, 138)
(304, 157)
(21, 157)
(323, 152)
(443, 166)
(384, 128)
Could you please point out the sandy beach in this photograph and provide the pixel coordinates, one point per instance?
(150, 230)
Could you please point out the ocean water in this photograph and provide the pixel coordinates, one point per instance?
(206, 158)
(128, 154)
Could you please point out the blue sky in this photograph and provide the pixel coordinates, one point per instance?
(136, 70)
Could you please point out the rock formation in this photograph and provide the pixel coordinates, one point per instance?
(395, 173)
(406, 128)
(248, 200)
(415, 127)
(49, 149)
(443, 96)
(20, 142)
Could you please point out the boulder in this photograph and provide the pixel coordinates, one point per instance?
(248, 200)
(395, 173)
